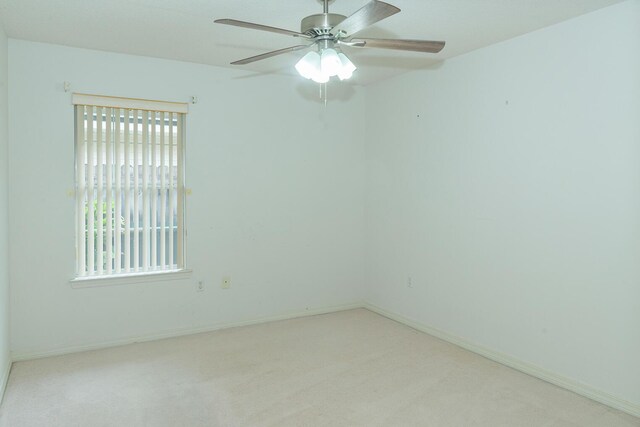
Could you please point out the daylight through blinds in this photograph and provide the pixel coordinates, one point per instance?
(129, 190)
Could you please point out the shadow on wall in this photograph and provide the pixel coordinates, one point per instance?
(335, 91)
(308, 90)
(408, 63)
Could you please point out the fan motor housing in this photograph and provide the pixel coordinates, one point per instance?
(320, 24)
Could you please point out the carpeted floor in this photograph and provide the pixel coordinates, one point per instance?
(353, 368)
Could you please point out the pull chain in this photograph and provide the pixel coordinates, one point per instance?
(322, 93)
(325, 95)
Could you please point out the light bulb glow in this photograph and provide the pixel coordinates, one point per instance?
(320, 77)
(330, 63)
(320, 67)
(309, 65)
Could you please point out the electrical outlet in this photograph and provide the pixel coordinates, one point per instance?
(409, 282)
(226, 282)
(200, 286)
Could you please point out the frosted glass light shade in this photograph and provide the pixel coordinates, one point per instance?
(320, 77)
(330, 63)
(320, 67)
(309, 65)
(347, 67)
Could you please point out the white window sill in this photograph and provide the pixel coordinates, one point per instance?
(124, 279)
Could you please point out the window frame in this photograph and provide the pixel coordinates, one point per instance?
(143, 107)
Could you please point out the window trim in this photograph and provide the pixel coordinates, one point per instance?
(129, 103)
(129, 278)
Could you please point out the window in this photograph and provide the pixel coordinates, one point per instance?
(129, 186)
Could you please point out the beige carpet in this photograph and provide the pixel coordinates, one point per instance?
(353, 368)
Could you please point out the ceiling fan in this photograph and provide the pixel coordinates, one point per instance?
(329, 32)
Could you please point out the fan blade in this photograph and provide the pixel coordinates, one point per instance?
(369, 14)
(253, 26)
(351, 43)
(398, 44)
(270, 54)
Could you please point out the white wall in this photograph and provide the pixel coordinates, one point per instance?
(4, 224)
(506, 183)
(277, 204)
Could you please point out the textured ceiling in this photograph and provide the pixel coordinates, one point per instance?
(184, 29)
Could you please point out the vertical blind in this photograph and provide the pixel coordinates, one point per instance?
(129, 185)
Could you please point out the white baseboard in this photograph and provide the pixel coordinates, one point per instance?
(30, 355)
(527, 368)
(4, 378)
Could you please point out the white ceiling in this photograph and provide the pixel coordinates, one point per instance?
(184, 29)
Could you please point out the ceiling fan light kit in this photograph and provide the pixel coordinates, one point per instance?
(331, 31)
(328, 62)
